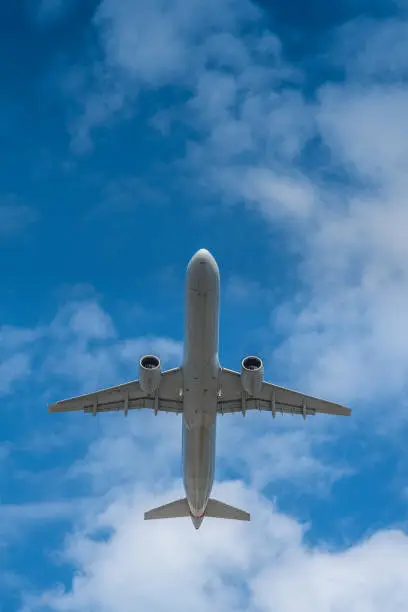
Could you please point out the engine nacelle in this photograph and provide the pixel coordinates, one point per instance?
(252, 375)
(150, 373)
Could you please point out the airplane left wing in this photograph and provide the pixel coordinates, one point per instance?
(271, 398)
(129, 396)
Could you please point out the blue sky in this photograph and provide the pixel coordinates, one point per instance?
(133, 134)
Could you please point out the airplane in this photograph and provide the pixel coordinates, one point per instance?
(200, 389)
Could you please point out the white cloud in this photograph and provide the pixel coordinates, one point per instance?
(153, 42)
(141, 446)
(167, 349)
(265, 451)
(108, 363)
(351, 325)
(363, 126)
(240, 290)
(12, 338)
(227, 565)
(98, 108)
(367, 577)
(89, 352)
(32, 512)
(275, 196)
(15, 354)
(82, 348)
(13, 369)
(90, 322)
(18, 519)
(154, 45)
(12, 581)
(372, 48)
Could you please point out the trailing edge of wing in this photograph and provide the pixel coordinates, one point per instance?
(128, 396)
(273, 399)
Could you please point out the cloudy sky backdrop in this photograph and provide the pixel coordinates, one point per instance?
(275, 135)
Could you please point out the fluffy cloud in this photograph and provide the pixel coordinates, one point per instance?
(352, 318)
(12, 369)
(90, 353)
(163, 44)
(82, 348)
(371, 49)
(153, 43)
(123, 562)
(15, 353)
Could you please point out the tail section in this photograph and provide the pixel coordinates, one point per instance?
(218, 509)
(174, 509)
(180, 507)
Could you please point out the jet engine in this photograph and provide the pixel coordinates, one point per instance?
(252, 374)
(150, 373)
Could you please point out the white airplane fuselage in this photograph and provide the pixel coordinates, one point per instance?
(200, 380)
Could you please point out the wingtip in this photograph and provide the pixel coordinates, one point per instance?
(342, 410)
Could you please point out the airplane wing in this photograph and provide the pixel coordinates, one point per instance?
(271, 399)
(129, 396)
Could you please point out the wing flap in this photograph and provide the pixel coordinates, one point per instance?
(128, 396)
(273, 399)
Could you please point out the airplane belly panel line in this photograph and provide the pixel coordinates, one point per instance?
(200, 389)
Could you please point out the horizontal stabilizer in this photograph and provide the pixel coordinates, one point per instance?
(174, 509)
(218, 509)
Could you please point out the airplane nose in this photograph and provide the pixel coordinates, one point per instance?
(202, 272)
(204, 255)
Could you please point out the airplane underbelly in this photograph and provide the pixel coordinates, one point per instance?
(200, 380)
(201, 333)
(198, 463)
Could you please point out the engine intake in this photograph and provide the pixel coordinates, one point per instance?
(252, 374)
(150, 373)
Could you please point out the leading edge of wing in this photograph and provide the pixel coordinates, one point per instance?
(128, 396)
(272, 398)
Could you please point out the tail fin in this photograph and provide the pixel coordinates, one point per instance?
(218, 509)
(172, 510)
(180, 507)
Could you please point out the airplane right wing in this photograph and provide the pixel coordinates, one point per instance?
(272, 399)
(129, 396)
